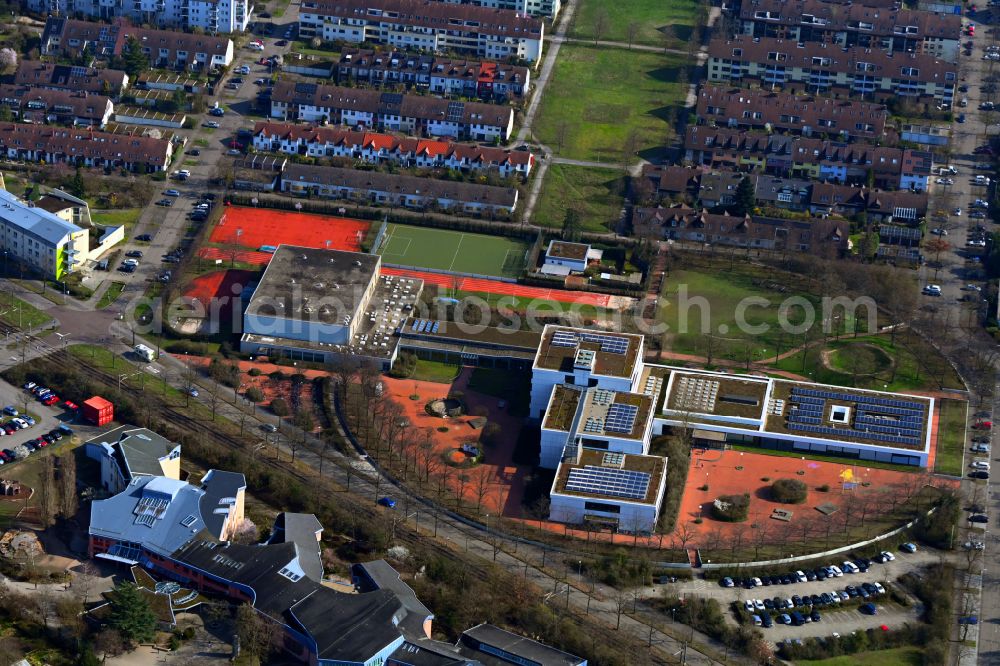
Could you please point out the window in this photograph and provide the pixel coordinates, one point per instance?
(737, 53)
(785, 197)
(909, 71)
(865, 67)
(602, 506)
(822, 62)
(823, 122)
(777, 56)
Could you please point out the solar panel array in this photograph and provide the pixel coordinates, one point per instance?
(609, 343)
(455, 112)
(425, 326)
(594, 480)
(612, 459)
(621, 418)
(880, 419)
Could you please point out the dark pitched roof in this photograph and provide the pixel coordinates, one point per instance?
(84, 143)
(423, 107)
(220, 489)
(533, 651)
(400, 184)
(838, 16)
(378, 575)
(303, 530)
(89, 79)
(431, 14)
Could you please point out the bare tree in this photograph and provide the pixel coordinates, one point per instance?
(255, 633)
(67, 485)
(630, 33)
(47, 492)
(601, 21)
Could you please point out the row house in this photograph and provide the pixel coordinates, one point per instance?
(712, 188)
(547, 8)
(50, 144)
(37, 74)
(375, 148)
(808, 158)
(426, 25)
(396, 112)
(784, 112)
(887, 28)
(443, 76)
(209, 16)
(374, 187)
(896, 206)
(672, 181)
(164, 48)
(822, 237)
(42, 105)
(814, 67)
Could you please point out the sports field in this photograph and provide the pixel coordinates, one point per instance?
(255, 227)
(454, 251)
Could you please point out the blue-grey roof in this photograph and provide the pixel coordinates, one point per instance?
(379, 575)
(137, 450)
(494, 638)
(220, 491)
(37, 222)
(302, 529)
(160, 513)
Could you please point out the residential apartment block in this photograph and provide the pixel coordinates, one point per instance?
(44, 105)
(546, 8)
(165, 48)
(815, 67)
(784, 112)
(887, 28)
(375, 187)
(809, 158)
(826, 238)
(211, 16)
(102, 81)
(413, 114)
(36, 143)
(373, 148)
(443, 76)
(41, 240)
(899, 206)
(428, 25)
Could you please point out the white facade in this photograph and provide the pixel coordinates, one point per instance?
(219, 16)
(631, 516)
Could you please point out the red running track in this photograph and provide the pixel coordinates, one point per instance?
(242, 256)
(503, 288)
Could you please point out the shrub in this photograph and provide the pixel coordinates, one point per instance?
(825, 488)
(254, 394)
(254, 372)
(789, 491)
(732, 508)
(280, 407)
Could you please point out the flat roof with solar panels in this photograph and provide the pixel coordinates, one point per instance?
(609, 413)
(883, 419)
(564, 349)
(611, 476)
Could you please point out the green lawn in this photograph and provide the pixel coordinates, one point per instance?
(116, 218)
(706, 300)
(603, 102)
(538, 306)
(110, 295)
(15, 312)
(903, 656)
(305, 49)
(434, 371)
(442, 249)
(656, 22)
(951, 437)
(915, 365)
(597, 194)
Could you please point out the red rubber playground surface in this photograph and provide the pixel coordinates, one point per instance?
(254, 227)
(503, 288)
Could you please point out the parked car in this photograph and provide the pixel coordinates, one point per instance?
(211, 124)
(868, 609)
(134, 253)
(979, 518)
(727, 582)
(10, 410)
(391, 504)
(969, 619)
(172, 193)
(145, 237)
(979, 475)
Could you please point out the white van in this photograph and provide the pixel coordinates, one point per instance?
(145, 353)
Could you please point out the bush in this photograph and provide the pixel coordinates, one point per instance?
(280, 407)
(825, 488)
(254, 372)
(254, 394)
(789, 491)
(732, 508)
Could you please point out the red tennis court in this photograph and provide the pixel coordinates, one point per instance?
(503, 288)
(254, 227)
(242, 256)
(226, 284)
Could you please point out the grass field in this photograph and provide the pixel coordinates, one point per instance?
(917, 366)
(601, 102)
(597, 194)
(440, 249)
(434, 371)
(903, 656)
(110, 295)
(116, 218)
(15, 312)
(657, 22)
(951, 437)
